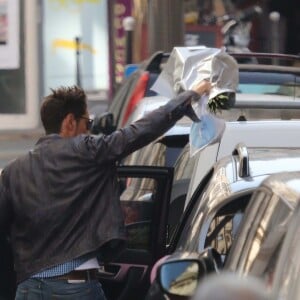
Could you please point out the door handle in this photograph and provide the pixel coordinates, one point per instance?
(103, 273)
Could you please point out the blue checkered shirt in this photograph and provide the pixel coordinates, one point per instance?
(62, 269)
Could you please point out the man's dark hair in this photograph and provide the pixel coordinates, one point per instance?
(61, 102)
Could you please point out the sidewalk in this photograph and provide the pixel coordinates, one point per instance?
(14, 143)
(20, 134)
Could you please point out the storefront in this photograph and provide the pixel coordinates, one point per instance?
(19, 86)
(46, 44)
(67, 62)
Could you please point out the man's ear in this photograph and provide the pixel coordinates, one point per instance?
(68, 125)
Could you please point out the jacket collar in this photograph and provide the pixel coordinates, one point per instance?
(48, 137)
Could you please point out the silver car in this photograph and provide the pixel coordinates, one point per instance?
(216, 210)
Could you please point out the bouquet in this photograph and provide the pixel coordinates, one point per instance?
(187, 66)
(222, 101)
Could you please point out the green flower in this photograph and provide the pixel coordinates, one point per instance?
(221, 101)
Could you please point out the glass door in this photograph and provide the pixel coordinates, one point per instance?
(19, 86)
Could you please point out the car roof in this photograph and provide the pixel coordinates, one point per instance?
(269, 133)
(230, 173)
(251, 106)
(251, 100)
(257, 162)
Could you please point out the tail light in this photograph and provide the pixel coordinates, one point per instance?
(137, 95)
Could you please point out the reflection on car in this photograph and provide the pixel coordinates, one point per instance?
(286, 272)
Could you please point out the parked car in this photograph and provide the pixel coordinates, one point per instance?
(216, 209)
(150, 231)
(257, 246)
(166, 149)
(262, 78)
(128, 277)
(248, 107)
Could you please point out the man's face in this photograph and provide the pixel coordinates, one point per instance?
(83, 124)
(72, 126)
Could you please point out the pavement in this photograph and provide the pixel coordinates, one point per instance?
(14, 143)
(9, 135)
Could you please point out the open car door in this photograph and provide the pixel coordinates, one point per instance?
(145, 193)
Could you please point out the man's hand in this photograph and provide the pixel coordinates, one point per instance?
(202, 87)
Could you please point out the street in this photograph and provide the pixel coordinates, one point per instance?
(16, 143)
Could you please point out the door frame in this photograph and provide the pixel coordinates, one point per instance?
(129, 274)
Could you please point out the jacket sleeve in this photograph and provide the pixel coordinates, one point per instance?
(113, 147)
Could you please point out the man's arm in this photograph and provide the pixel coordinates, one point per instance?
(140, 133)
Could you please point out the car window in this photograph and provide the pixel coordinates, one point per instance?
(250, 88)
(224, 226)
(269, 83)
(286, 279)
(182, 175)
(273, 89)
(184, 164)
(137, 202)
(153, 154)
(263, 228)
(187, 240)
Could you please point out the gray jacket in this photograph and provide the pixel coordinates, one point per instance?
(61, 200)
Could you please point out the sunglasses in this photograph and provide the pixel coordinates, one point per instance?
(89, 122)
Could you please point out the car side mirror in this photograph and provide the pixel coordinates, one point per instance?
(181, 277)
(103, 124)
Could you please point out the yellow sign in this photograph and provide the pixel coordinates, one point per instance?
(66, 3)
(71, 44)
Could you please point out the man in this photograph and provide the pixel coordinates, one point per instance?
(60, 201)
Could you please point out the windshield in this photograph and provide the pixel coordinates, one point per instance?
(184, 165)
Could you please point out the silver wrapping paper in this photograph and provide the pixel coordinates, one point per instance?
(187, 66)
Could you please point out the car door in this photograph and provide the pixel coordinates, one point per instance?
(145, 206)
